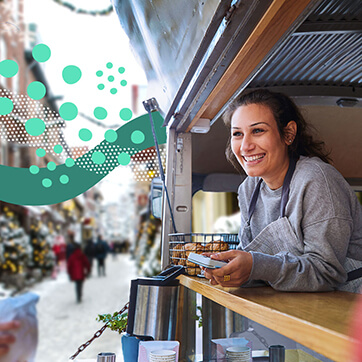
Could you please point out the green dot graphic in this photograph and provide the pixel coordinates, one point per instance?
(47, 182)
(99, 73)
(20, 187)
(137, 137)
(110, 78)
(98, 157)
(8, 68)
(124, 159)
(100, 86)
(58, 148)
(51, 166)
(121, 70)
(123, 83)
(34, 169)
(41, 53)
(113, 91)
(125, 114)
(85, 134)
(100, 113)
(64, 179)
(71, 74)
(35, 126)
(36, 90)
(69, 162)
(109, 65)
(40, 152)
(68, 111)
(6, 106)
(110, 135)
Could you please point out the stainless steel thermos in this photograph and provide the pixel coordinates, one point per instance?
(153, 305)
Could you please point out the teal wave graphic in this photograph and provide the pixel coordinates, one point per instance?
(19, 186)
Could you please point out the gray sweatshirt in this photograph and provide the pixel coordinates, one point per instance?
(317, 242)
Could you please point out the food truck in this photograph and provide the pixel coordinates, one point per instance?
(198, 57)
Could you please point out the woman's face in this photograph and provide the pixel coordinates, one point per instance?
(257, 144)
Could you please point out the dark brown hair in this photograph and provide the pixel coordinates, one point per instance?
(284, 110)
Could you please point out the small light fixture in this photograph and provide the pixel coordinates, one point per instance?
(201, 126)
(347, 102)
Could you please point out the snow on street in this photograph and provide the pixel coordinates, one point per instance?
(64, 325)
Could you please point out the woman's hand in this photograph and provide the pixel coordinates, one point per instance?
(7, 338)
(235, 273)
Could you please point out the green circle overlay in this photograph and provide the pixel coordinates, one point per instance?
(110, 135)
(58, 148)
(69, 162)
(40, 152)
(8, 68)
(68, 111)
(98, 157)
(71, 74)
(121, 70)
(64, 179)
(123, 83)
(99, 73)
(35, 126)
(41, 53)
(34, 169)
(6, 106)
(36, 90)
(137, 137)
(109, 65)
(113, 91)
(47, 182)
(124, 159)
(125, 114)
(85, 134)
(100, 86)
(100, 113)
(51, 166)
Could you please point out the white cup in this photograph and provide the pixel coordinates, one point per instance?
(238, 353)
(163, 355)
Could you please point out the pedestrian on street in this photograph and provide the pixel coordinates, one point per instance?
(101, 251)
(89, 251)
(112, 249)
(78, 269)
(62, 249)
(70, 243)
(59, 249)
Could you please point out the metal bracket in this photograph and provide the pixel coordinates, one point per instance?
(151, 105)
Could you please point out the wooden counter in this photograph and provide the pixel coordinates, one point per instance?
(319, 321)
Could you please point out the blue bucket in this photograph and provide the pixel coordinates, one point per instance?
(130, 347)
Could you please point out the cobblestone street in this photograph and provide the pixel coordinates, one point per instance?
(64, 325)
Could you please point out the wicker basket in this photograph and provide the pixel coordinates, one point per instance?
(181, 245)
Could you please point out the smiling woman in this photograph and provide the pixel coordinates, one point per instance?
(283, 110)
(257, 144)
(301, 223)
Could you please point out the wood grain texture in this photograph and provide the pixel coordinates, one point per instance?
(180, 312)
(319, 321)
(276, 21)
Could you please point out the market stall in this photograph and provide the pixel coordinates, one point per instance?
(308, 50)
